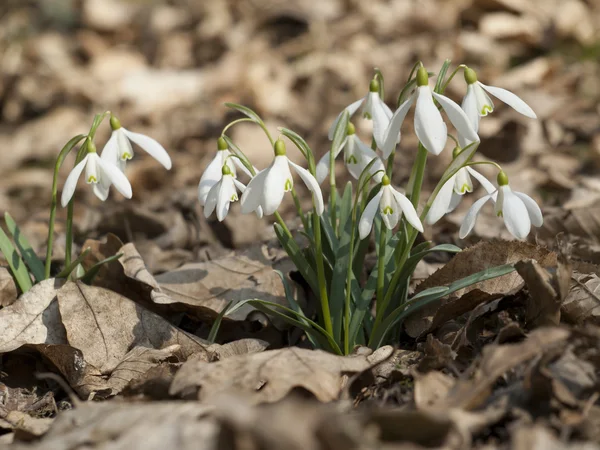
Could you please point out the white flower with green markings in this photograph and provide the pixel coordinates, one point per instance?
(391, 204)
(518, 210)
(267, 188)
(99, 173)
(429, 124)
(357, 156)
(118, 150)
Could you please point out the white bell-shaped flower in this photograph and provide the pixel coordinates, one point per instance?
(374, 108)
(429, 124)
(118, 149)
(391, 204)
(267, 188)
(453, 191)
(518, 210)
(99, 173)
(357, 156)
(213, 172)
(223, 193)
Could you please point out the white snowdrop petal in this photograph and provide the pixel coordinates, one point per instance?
(110, 152)
(252, 196)
(487, 184)
(125, 150)
(322, 168)
(259, 212)
(392, 133)
(209, 178)
(237, 163)
(71, 182)
(535, 213)
(101, 191)
(211, 199)
(462, 181)
(352, 108)
(469, 106)
(441, 203)
(227, 194)
(312, 185)
(485, 105)
(116, 177)
(409, 210)
(515, 214)
(471, 216)
(380, 118)
(241, 186)
(458, 117)
(275, 185)
(511, 100)
(366, 219)
(389, 209)
(429, 125)
(454, 202)
(151, 146)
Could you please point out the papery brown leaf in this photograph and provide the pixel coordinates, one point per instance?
(472, 260)
(582, 304)
(8, 288)
(269, 376)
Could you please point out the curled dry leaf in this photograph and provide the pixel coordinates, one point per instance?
(472, 260)
(269, 376)
(8, 288)
(582, 305)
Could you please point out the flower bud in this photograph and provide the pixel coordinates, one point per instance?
(222, 144)
(470, 75)
(115, 123)
(350, 130)
(422, 77)
(456, 151)
(279, 148)
(502, 178)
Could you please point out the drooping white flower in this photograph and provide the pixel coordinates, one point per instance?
(452, 192)
(374, 108)
(223, 193)
(101, 174)
(118, 150)
(429, 125)
(518, 210)
(213, 172)
(357, 156)
(267, 188)
(391, 204)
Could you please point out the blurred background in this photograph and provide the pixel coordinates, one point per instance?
(165, 68)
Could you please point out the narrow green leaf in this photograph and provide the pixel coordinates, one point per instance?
(345, 206)
(442, 77)
(16, 264)
(435, 294)
(436, 290)
(91, 273)
(67, 270)
(214, 329)
(340, 133)
(245, 111)
(291, 248)
(35, 264)
(302, 146)
(379, 76)
(240, 154)
(329, 233)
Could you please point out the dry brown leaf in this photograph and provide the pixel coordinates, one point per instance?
(582, 304)
(8, 288)
(269, 376)
(472, 260)
(25, 426)
(32, 319)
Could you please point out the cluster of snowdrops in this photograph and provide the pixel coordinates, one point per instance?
(354, 307)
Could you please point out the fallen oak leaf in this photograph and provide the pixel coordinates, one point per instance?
(582, 304)
(269, 376)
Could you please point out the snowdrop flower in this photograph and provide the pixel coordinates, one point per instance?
(429, 125)
(267, 188)
(118, 149)
(518, 210)
(391, 205)
(477, 103)
(223, 193)
(357, 155)
(374, 108)
(213, 172)
(98, 172)
(452, 192)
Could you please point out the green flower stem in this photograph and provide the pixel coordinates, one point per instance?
(281, 222)
(299, 208)
(461, 66)
(54, 202)
(321, 274)
(347, 317)
(420, 164)
(381, 269)
(332, 193)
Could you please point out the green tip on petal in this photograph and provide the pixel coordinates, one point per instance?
(385, 180)
(470, 75)
(422, 76)
(225, 170)
(456, 151)
(115, 123)
(279, 148)
(502, 178)
(374, 85)
(350, 129)
(222, 144)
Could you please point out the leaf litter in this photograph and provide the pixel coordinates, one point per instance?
(508, 363)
